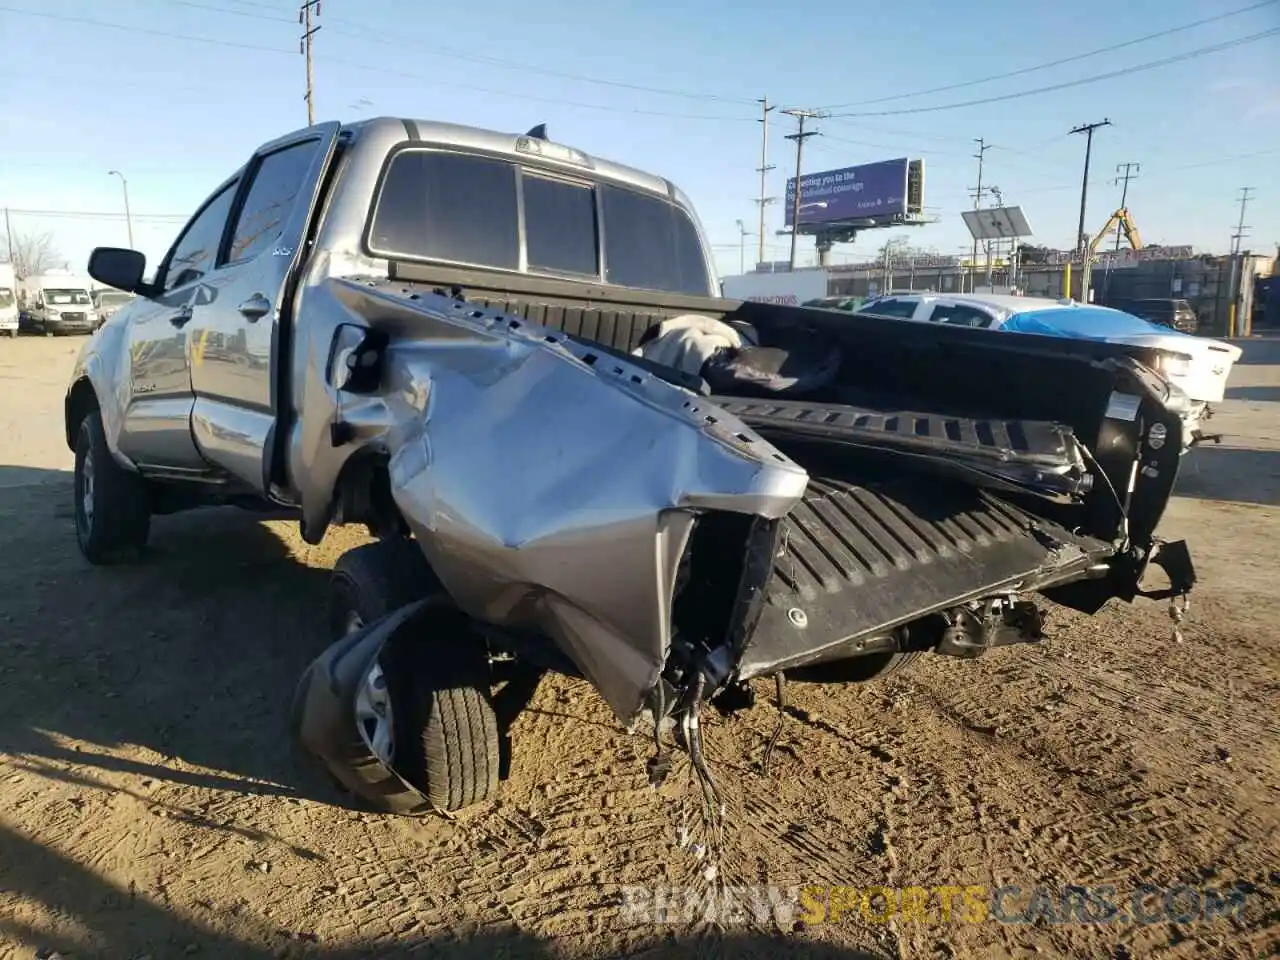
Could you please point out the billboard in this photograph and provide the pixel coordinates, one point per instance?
(851, 193)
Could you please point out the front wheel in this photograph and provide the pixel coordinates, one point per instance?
(112, 516)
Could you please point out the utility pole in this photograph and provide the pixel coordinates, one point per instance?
(304, 47)
(983, 147)
(765, 167)
(1082, 244)
(1237, 270)
(1087, 129)
(1131, 171)
(800, 136)
(1245, 197)
(128, 219)
(8, 233)
(743, 233)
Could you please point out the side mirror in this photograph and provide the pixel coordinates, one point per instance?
(119, 268)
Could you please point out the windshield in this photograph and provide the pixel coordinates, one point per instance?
(63, 297)
(112, 298)
(466, 209)
(6, 298)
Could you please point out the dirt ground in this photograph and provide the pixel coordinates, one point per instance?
(151, 804)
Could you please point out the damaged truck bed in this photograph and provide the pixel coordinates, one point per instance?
(571, 456)
(825, 538)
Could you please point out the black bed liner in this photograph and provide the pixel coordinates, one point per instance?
(857, 560)
(1030, 454)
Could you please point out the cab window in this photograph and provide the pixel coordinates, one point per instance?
(194, 254)
(959, 315)
(270, 199)
(892, 307)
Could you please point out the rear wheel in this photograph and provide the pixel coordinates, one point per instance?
(446, 732)
(112, 516)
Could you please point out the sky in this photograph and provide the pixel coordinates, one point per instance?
(176, 94)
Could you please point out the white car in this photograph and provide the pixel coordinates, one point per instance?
(1196, 365)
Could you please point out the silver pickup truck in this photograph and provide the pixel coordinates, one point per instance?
(504, 357)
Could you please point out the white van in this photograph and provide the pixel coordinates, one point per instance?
(8, 300)
(58, 303)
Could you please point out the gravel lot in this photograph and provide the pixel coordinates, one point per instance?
(151, 804)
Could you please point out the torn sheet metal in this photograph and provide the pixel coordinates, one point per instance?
(552, 485)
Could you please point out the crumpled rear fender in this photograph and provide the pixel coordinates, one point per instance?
(552, 486)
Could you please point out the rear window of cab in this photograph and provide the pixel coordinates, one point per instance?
(465, 209)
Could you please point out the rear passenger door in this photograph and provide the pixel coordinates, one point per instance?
(233, 331)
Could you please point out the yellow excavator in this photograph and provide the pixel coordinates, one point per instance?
(1120, 221)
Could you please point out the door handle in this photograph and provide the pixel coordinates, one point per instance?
(180, 318)
(255, 308)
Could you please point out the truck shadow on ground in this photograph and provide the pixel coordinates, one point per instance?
(180, 670)
(1213, 472)
(114, 922)
(193, 653)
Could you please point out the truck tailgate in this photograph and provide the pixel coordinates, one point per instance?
(855, 560)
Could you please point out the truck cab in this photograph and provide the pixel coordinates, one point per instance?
(214, 403)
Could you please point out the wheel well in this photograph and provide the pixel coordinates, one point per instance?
(362, 494)
(81, 401)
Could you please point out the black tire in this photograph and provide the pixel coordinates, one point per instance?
(112, 514)
(446, 731)
(374, 580)
(873, 666)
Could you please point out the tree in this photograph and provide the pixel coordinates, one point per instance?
(33, 253)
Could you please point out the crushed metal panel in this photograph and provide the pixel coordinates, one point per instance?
(553, 486)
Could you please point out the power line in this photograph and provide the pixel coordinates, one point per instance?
(349, 29)
(1057, 63)
(98, 215)
(546, 71)
(61, 18)
(398, 73)
(1111, 75)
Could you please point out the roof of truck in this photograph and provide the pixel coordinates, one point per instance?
(497, 141)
